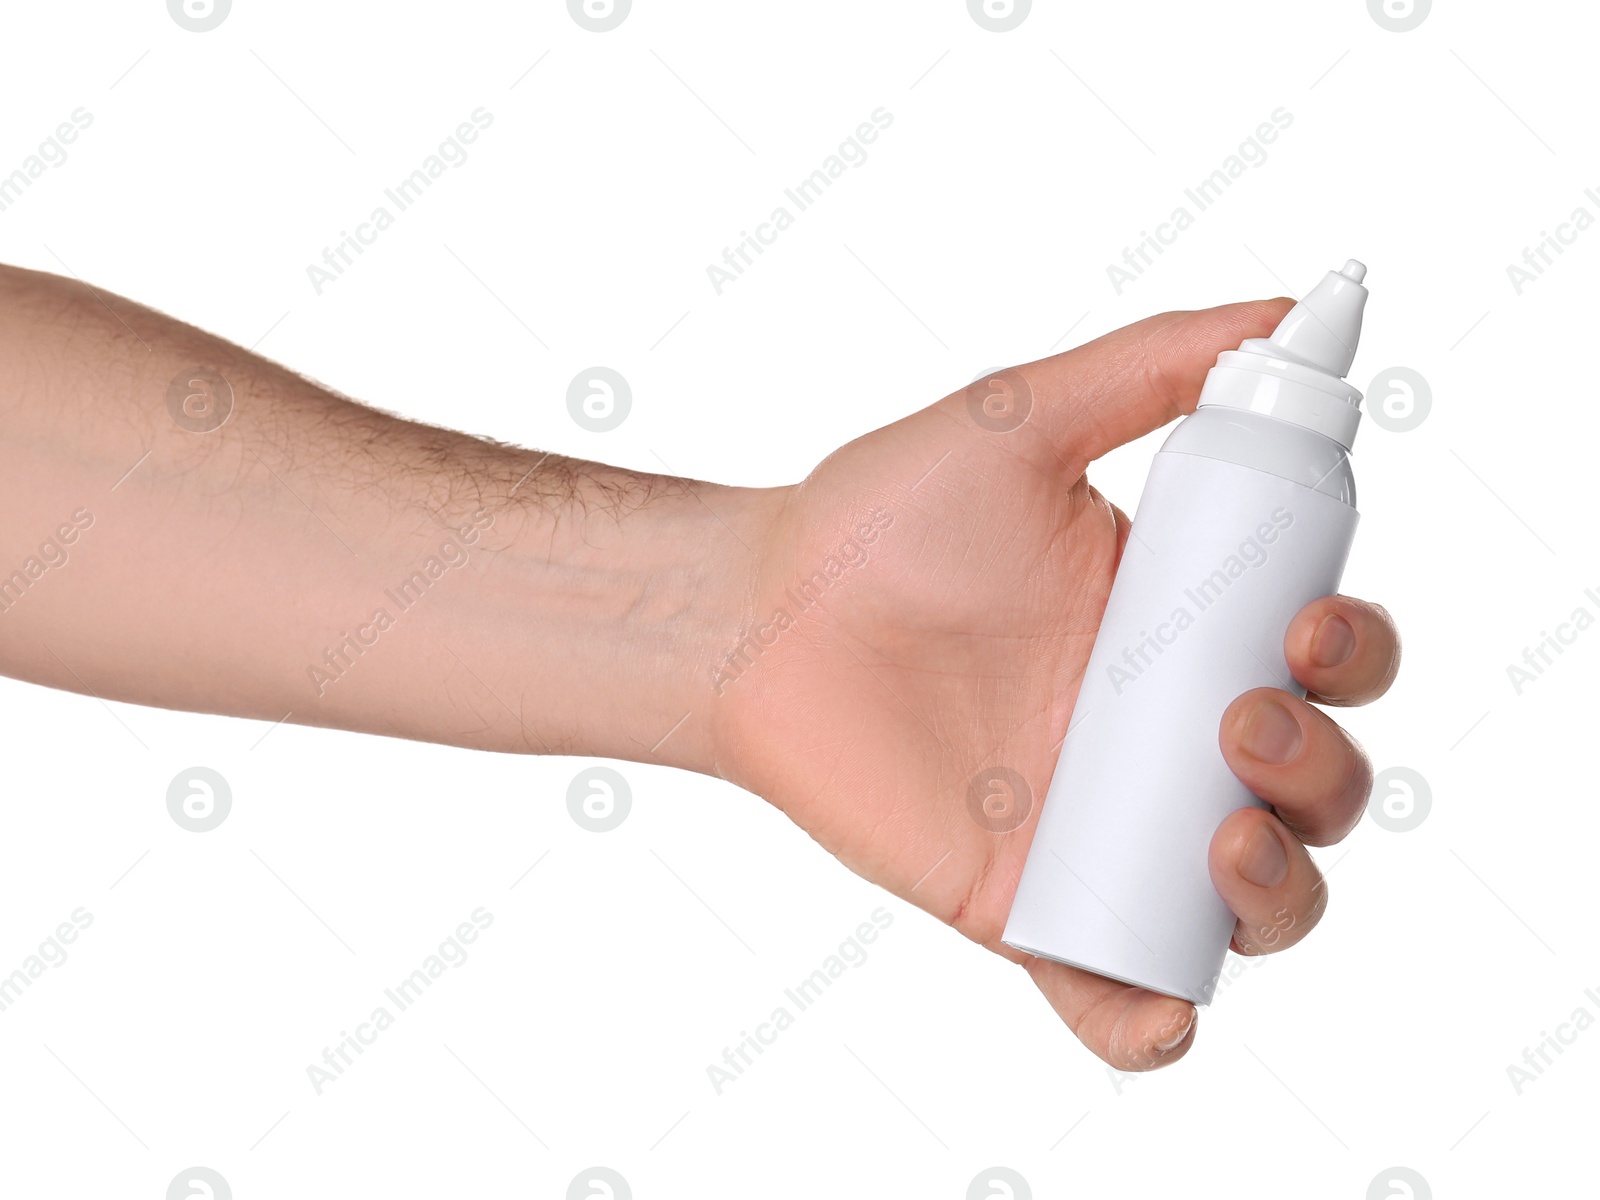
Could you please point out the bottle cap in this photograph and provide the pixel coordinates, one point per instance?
(1297, 374)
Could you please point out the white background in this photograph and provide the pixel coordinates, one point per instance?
(977, 233)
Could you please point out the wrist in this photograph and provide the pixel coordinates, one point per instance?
(609, 598)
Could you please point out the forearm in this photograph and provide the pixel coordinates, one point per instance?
(314, 559)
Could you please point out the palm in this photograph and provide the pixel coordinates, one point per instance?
(955, 648)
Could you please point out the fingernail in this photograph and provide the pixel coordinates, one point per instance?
(1271, 734)
(1173, 1040)
(1264, 861)
(1333, 643)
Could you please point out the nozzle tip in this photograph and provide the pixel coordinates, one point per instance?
(1354, 271)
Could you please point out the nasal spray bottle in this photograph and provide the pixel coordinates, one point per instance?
(1247, 516)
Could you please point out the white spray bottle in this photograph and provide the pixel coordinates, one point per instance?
(1247, 516)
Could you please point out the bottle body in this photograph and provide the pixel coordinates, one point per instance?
(1244, 520)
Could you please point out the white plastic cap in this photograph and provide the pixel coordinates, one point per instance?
(1298, 373)
(1323, 329)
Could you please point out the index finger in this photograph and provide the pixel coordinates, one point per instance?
(1088, 400)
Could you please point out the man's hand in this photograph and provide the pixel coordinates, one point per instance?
(188, 525)
(921, 613)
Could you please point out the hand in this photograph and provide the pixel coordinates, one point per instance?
(957, 576)
(939, 582)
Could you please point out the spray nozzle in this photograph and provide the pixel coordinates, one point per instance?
(1297, 374)
(1323, 329)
